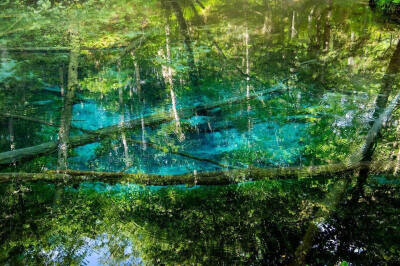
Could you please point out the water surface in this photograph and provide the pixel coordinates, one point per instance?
(242, 84)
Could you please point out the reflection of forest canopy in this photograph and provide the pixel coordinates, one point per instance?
(255, 223)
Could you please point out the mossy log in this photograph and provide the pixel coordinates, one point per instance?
(124, 48)
(56, 49)
(96, 135)
(203, 178)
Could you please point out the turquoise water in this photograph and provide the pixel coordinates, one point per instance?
(239, 84)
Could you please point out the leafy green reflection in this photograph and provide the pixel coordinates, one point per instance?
(253, 223)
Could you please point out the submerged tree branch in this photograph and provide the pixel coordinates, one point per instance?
(183, 154)
(202, 178)
(39, 121)
(95, 135)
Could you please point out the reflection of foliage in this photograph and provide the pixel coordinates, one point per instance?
(164, 225)
(333, 136)
(254, 223)
(389, 6)
(106, 82)
(366, 232)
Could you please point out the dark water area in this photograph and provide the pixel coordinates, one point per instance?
(181, 88)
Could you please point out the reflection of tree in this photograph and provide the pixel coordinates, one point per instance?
(167, 74)
(183, 27)
(388, 82)
(258, 223)
(164, 226)
(338, 193)
(66, 116)
(381, 102)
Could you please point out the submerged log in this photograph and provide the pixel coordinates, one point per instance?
(56, 49)
(202, 178)
(76, 141)
(39, 121)
(94, 136)
(36, 49)
(180, 153)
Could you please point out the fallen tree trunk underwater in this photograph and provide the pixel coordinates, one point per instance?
(354, 162)
(180, 153)
(202, 178)
(95, 135)
(39, 121)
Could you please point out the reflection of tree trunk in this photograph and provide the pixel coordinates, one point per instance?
(327, 28)
(127, 159)
(388, 81)
(310, 19)
(12, 136)
(188, 42)
(381, 102)
(397, 166)
(293, 31)
(66, 116)
(139, 90)
(61, 77)
(137, 74)
(11, 131)
(350, 60)
(167, 73)
(318, 31)
(179, 132)
(246, 38)
(144, 144)
(267, 26)
(3, 59)
(281, 22)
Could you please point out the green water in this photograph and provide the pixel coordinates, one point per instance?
(241, 84)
